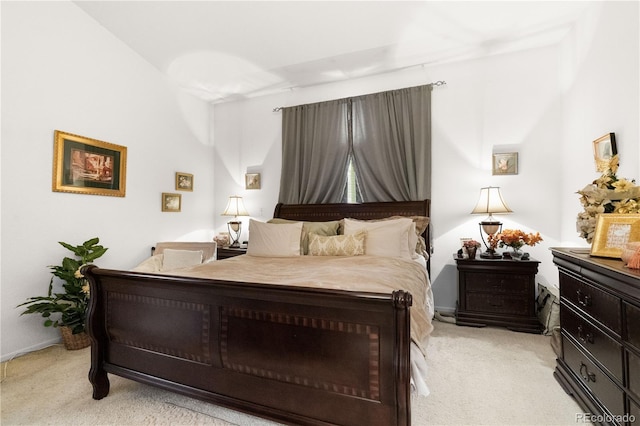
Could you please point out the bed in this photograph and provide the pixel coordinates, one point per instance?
(291, 352)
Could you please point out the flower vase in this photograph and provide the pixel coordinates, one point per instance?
(516, 254)
(471, 251)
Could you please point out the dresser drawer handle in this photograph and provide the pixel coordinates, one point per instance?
(584, 337)
(586, 376)
(583, 300)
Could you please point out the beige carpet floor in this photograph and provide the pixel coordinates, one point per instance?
(477, 376)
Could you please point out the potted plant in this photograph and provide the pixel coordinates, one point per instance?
(68, 309)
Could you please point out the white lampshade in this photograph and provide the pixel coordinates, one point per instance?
(490, 202)
(235, 207)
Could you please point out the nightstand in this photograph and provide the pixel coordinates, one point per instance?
(227, 252)
(499, 292)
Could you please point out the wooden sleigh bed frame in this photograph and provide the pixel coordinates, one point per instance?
(347, 353)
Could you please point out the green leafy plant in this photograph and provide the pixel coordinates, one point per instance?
(68, 308)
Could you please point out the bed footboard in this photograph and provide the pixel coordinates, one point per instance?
(294, 355)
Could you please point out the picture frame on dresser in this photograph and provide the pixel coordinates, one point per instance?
(603, 149)
(613, 232)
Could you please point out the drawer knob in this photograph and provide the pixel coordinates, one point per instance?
(586, 376)
(584, 337)
(584, 300)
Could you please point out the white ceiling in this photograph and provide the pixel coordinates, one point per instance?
(229, 50)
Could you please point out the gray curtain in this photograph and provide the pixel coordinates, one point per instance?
(392, 144)
(387, 134)
(315, 152)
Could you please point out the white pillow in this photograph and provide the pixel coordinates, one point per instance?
(150, 264)
(176, 259)
(274, 239)
(389, 238)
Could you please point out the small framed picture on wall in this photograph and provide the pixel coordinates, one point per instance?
(171, 202)
(505, 163)
(252, 180)
(184, 181)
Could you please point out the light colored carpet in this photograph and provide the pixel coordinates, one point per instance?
(477, 376)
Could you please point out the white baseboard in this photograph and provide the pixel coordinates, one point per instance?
(445, 310)
(42, 345)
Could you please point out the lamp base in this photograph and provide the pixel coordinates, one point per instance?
(490, 254)
(235, 244)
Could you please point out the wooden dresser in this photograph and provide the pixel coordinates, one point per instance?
(600, 320)
(499, 292)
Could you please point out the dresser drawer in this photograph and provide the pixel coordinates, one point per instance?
(601, 386)
(498, 304)
(634, 375)
(607, 351)
(633, 325)
(498, 283)
(603, 306)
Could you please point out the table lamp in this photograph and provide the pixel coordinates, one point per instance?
(235, 208)
(490, 202)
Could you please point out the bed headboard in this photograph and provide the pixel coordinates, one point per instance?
(362, 211)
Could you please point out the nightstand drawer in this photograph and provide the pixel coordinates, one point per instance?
(607, 351)
(593, 378)
(498, 304)
(634, 374)
(498, 283)
(633, 325)
(603, 306)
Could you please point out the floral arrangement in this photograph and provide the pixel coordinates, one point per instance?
(471, 244)
(514, 238)
(607, 194)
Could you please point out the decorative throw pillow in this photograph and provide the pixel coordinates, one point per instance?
(337, 245)
(319, 228)
(389, 238)
(176, 259)
(274, 239)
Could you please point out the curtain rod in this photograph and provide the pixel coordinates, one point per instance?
(436, 84)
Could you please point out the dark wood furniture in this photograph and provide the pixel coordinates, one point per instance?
(600, 320)
(499, 292)
(227, 252)
(292, 354)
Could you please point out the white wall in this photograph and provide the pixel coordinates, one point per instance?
(600, 80)
(536, 102)
(61, 70)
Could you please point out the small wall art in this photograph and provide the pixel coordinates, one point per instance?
(184, 181)
(505, 163)
(252, 180)
(88, 166)
(171, 202)
(603, 149)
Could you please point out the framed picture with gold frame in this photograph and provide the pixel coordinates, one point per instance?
(184, 181)
(603, 149)
(505, 163)
(613, 232)
(252, 180)
(171, 202)
(88, 166)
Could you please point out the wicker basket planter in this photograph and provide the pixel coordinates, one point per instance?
(74, 341)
